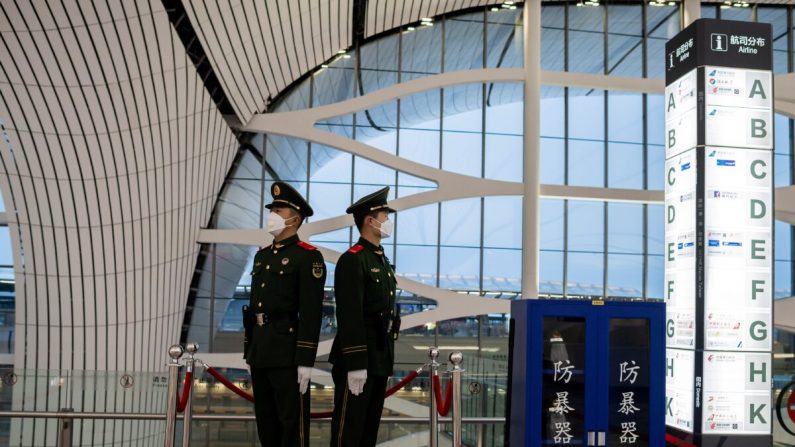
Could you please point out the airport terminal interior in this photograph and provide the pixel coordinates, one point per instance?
(525, 151)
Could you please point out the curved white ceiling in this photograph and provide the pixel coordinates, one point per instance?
(258, 48)
(114, 158)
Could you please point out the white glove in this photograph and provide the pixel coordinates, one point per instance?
(356, 381)
(304, 374)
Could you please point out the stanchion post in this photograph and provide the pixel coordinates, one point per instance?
(65, 429)
(187, 414)
(175, 352)
(433, 371)
(456, 358)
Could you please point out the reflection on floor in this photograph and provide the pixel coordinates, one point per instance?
(243, 434)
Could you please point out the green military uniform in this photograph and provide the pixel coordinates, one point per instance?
(282, 329)
(367, 325)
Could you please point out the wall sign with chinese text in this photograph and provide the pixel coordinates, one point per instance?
(719, 113)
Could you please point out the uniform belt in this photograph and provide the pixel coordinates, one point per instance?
(376, 318)
(383, 322)
(261, 319)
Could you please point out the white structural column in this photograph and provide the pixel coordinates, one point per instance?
(532, 139)
(692, 12)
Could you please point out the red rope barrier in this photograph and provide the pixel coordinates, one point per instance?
(182, 402)
(229, 384)
(676, 441)
(443, 407)
(318, 415)
(412, 375)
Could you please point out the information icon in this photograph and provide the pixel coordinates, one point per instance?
(720, 42)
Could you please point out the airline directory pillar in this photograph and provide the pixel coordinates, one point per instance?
(719, 233)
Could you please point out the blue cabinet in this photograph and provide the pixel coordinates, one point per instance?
(588, 373)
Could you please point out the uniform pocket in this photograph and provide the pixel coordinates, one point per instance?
(285, 327)
(284, 269)
(257, 268)
(284, 279)
(375, 277)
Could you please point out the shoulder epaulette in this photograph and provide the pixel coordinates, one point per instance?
(356, 248)
(306, 246)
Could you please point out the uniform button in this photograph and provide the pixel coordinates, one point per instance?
(281, 272)
(291, 329)
(259, 304)
(275, 251)
(391, 293)
(262, 285)
(267, 267)
(377, 280)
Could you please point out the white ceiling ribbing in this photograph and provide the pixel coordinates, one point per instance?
(115, 157)
(257, 48)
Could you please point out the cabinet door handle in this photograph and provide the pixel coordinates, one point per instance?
(600, 439)
(591, 438)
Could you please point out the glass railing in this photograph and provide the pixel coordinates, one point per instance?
(46, 392)
(138, 401)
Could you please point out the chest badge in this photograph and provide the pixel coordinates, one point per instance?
(285, 261)
(317, 270)
(375, 269)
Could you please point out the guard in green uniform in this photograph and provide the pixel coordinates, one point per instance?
(282, 323)
(363, 352)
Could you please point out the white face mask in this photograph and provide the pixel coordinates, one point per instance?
(386, 228)
(276, 224)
